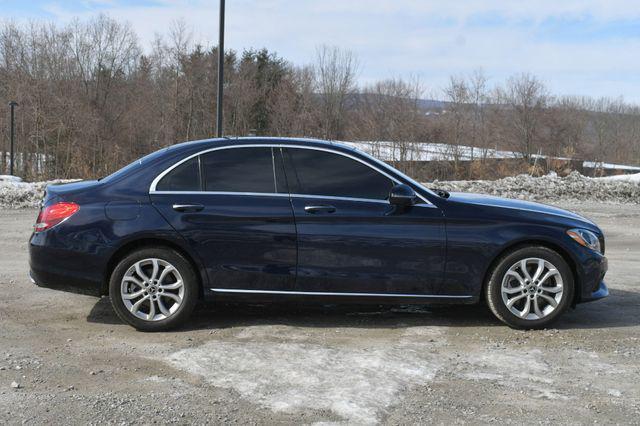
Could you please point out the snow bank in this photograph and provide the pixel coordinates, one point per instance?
(551, 188)
(393, 151)
(628, 178)
(10, 178)
(15, 194)
(617, 189)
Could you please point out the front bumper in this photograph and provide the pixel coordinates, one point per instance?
(601, 292)
(593, 285)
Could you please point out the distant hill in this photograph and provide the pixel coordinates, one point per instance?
(432, 104)
(424, 104)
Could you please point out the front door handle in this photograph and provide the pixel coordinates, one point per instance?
(188, 207)
(319, 209)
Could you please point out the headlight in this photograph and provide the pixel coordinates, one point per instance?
(585, 238)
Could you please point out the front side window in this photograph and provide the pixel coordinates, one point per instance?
(239, 170)
(314, 172)
(185, 177)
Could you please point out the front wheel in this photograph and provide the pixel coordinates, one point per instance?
(153, 289)
(530, 287)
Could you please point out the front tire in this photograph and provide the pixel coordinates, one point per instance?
(530, 287)
(153, 289)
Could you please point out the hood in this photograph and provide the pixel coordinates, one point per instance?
(509, 203)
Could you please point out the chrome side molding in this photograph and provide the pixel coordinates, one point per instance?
(325, 293)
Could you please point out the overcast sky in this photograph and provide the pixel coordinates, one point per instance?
(577, 47)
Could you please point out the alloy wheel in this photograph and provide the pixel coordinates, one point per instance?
(152, 289)
(532, 288)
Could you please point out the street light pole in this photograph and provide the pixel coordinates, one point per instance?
(12, 105)
(220, 71)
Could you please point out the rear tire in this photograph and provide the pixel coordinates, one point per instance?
(153, 289)
(530, 287)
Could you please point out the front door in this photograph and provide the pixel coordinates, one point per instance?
(350, 239)
(229, 207)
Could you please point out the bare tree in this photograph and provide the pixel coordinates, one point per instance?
(92, 101)
(527, 96)
(458, 96)
(479, 135)
(335, 73)
(388, 115)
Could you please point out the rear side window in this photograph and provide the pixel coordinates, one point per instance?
(239, 170)
(313, 172)
(185, 177)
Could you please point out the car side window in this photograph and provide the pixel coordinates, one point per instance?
(185, 177)
(239, 170)
(314, 172)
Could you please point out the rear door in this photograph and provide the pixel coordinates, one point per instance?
(350, 239)
(230, 208)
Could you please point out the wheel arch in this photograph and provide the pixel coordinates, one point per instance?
(536, 242)
(148, 242)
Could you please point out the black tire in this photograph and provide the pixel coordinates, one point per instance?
(182, 310)
(493, 289)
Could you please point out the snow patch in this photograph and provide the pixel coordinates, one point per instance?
(519, 370)
(614, 392)
(354, 383)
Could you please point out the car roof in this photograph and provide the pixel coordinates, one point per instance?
(260, 140)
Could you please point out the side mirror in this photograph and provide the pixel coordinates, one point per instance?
(402, 195)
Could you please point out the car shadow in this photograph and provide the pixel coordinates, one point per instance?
(620, 309)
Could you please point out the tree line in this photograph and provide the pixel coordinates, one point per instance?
(92, 100)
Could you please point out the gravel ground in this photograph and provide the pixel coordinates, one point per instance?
(67, 359)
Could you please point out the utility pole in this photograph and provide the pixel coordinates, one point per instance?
(220, 71)
(12, 105)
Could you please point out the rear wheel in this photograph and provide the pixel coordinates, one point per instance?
(530, 287)
(153, 289)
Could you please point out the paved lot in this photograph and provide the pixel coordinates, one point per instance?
(76, 363)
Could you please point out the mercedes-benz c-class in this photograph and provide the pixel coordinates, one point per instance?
(256, 218)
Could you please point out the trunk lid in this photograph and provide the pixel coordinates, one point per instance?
(61, 191)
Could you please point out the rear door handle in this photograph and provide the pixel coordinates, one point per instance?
(188, 207)
(319, 209)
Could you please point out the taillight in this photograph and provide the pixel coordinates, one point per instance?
(52, 215)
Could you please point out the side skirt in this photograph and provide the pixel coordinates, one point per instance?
(336, 297)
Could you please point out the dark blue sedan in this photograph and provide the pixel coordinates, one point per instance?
(274, 218)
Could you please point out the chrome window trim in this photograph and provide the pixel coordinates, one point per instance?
(326, 293)
(253, 194)
(332, 197)
(154, 183)
(273, 194)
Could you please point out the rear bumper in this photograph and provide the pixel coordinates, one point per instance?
(50, 268)
(56, 282)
